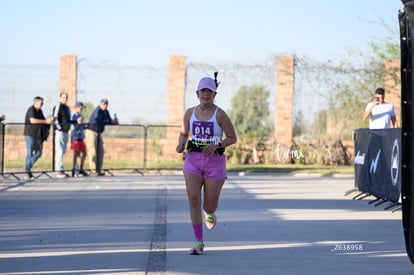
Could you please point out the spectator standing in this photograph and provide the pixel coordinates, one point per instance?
(381, 114)
(94, 142)
(61, 113)
(77, 144)
(36, 131)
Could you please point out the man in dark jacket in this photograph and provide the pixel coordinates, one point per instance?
(36, 131)
(61, 113)
(97, 121)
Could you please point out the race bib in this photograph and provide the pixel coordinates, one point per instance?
(203, 130)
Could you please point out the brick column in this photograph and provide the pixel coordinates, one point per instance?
(392, 85)
(68, 76)
(176, 104)
(284, 101)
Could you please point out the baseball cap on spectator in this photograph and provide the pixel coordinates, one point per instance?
(79, 104)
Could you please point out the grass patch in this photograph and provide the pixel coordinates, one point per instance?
(45, 165)
(294, 169)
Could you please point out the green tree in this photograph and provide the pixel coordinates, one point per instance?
(349, 83)
(319, 127)
(87, 111)
(250, 112)
(299, 125)
(250, 116)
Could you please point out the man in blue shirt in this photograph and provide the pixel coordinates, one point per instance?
(77, 141)
(94, 142)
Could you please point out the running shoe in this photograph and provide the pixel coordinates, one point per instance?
(210, 220)
(197, 249)
(61, 175)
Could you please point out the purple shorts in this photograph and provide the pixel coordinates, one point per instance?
(209, 167)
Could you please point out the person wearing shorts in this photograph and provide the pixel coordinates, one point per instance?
(77, 141)
(205, 163)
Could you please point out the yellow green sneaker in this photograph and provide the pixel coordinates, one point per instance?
(197, 249)
(210, 220)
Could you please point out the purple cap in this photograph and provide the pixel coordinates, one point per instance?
(207, 83)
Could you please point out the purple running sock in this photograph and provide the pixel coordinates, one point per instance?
(198, 232)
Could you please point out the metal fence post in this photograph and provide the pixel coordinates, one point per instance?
(145, 146)
(2, 148)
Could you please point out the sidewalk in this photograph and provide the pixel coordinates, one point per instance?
(131, 224)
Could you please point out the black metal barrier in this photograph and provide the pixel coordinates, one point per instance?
(377, 164)
(130, 147)
(1, 148)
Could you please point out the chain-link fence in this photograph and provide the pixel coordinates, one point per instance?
(139, 95)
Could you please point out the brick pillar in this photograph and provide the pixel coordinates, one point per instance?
(68, 76)
(284, 101)
(176, 104)
(392, 85)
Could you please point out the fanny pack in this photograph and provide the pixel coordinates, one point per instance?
(193, 146)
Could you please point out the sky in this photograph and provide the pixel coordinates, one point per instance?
(141, 32)
(135, 32)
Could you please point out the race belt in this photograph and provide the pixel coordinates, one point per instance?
(194, 146)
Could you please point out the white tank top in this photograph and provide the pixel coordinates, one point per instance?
(205, 131)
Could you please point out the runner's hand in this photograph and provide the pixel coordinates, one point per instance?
(180, 148)
(210, 149)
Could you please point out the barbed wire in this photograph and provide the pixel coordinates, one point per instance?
(140, 93)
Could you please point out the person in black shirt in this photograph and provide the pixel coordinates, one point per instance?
(61, 113)
(36, 131)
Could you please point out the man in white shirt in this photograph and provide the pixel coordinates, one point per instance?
(381, 114)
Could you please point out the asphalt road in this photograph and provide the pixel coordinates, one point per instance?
(134, 224)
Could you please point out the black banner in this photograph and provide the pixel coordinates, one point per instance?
(406, 17)
(377, 163)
